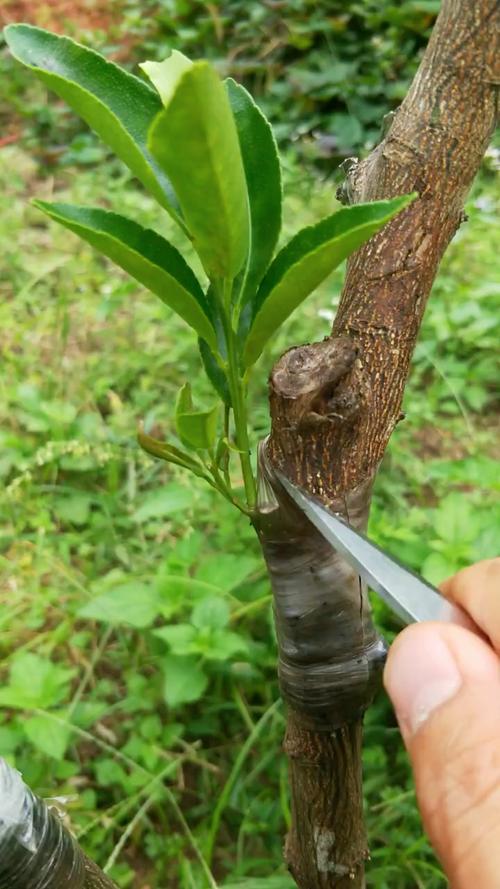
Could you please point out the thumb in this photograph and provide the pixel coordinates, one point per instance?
(444, 682)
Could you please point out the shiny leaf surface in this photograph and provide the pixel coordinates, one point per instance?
(117, 105)
(307, 260)
(263, 175)
(194, 139)
(144, 254)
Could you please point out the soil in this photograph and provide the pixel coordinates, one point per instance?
(62, 15)
(79, 19)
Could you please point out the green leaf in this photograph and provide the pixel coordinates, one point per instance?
(455, 521)
(108, 772)
(263, 175)
(196, 429)
(35, 682)
(176, 591)
(47, 735)
(195, 141)
(74, 508)
(224, 645)
(117, 105)
(214, 372)
(436, 568)
(179, 637)
(135, 604)
(211, 612)
(185, 680)
(307, 260)
(184, 400)
(227, 570)
(164, 502)
(166, 75)
(144, 254)
(170, 453)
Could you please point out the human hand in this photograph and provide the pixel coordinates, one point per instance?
(444, 683)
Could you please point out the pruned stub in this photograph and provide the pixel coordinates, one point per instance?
(316, 391)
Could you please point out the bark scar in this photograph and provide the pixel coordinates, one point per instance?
(316, 382)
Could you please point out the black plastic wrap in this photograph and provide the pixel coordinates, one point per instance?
(330, 655)
(36, 850)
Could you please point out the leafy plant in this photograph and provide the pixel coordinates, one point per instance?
(207, 155)
(139, 530)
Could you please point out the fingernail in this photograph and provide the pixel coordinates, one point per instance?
(421, 675)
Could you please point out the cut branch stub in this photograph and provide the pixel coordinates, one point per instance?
(316, 393)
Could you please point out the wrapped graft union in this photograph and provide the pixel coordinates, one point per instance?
(330, 654)
(36, 850)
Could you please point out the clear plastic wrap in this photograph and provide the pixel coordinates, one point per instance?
(330, 655)
(36, 850)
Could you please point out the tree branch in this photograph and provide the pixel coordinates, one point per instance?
(334, 406)
(434, 146)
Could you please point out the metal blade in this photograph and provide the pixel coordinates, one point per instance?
(407, 594)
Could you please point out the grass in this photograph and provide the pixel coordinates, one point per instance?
(168, 743)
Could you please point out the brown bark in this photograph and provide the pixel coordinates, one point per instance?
(95, 878)
(329, 435)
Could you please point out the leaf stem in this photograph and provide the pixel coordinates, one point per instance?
(237, 389)
(220, 485)
(225, 465)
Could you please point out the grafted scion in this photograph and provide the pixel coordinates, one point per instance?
(317, 391)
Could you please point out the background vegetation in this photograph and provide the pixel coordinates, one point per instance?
(137, 648)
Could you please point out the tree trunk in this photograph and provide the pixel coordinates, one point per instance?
(36, 849)
(334, 405)
(95, 878)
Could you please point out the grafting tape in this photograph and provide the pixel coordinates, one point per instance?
(330, 654)
(36, 850)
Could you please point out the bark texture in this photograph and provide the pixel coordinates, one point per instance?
(335, 404)
(94, 877)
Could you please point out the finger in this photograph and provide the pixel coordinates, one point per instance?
(445, 686)
(477, 591)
